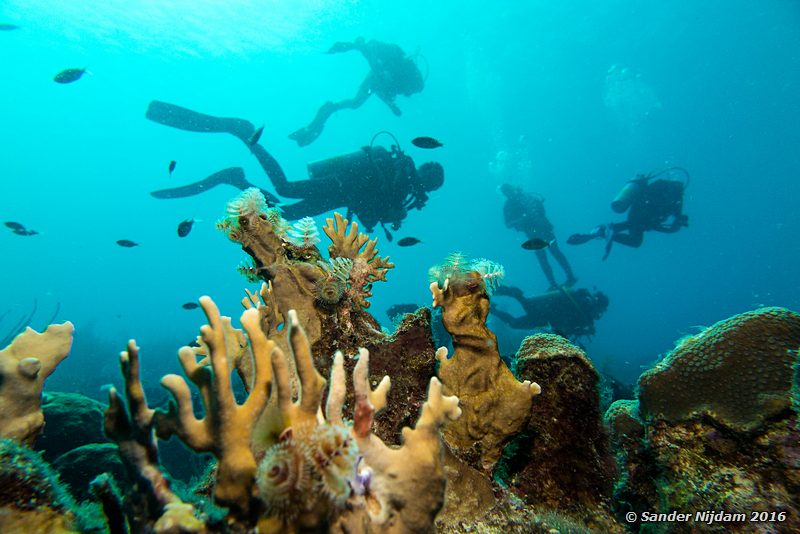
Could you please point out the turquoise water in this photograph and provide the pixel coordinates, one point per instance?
(708, 86)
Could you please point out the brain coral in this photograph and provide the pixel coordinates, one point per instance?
(739, 371)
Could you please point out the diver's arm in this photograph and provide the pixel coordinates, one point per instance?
(677, 223)
(389, 101)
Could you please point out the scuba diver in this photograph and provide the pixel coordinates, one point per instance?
(525, 212)
(378, 185)
(391, 73)
(652, 205)
(568, 312)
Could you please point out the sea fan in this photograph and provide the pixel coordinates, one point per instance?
(491, 272)
(304, 233)
(250, 202)
(337, 268)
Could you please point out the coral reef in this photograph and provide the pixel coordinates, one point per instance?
(550, 468)
(326, 294)
(300, 470)
(24, 366)
(739, 371)
(71, 420)
(715, 427)
(32, 499)
(495, 405)
(152, 505)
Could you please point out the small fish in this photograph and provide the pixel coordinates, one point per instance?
(537, 244)
(15, 226)
(255, 137)
(426, 142)
(172, 165)
(408, 242)
(190, 306)
(26, 232)
(69, 75)
(127, 243)
(185, 227)
(6, 27)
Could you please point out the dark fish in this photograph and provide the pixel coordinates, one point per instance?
(26, 232)
(408, 242)
(255, 137)
(69, 75)
(127, 243)
(6, 27)
(15, 226)
(185, 227)
(536, 244)
(172, 165)
(190, 306)
(426, 142)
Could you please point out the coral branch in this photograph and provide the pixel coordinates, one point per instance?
(133, 431)
(226, 428)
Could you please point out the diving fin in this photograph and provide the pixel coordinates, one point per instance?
(186, 119)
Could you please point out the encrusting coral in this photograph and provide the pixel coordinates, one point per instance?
(739, 371)
(716, 426)
(495, 405)
(24, 366)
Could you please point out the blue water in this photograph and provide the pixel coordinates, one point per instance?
(710, 86)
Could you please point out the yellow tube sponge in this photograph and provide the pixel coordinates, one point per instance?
(24, 366)
(226, 428)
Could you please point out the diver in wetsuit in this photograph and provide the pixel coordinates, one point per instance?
(568, 312)
(391, 73)
(377, 185)
(525, 212)
(652, 205)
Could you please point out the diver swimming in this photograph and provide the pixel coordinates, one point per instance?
(378, 185)
(652, 203)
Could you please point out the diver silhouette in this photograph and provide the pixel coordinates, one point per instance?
(379, 186)
(652, 205)
(391, 73)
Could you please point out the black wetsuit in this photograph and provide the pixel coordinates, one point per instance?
(661, 201)
(376, 189)
(391, 73)
(373, 183)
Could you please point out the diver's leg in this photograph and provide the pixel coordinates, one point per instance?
(598, 232)
(305, 208)
(632, 238)
(541, 255)
(562, 261)
(300, 189)
(186, 119)
(307, 135)
(514, 322)
(232, 176)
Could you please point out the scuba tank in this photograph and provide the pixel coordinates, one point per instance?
(629, 193)
(357, 163)
(634, 188)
